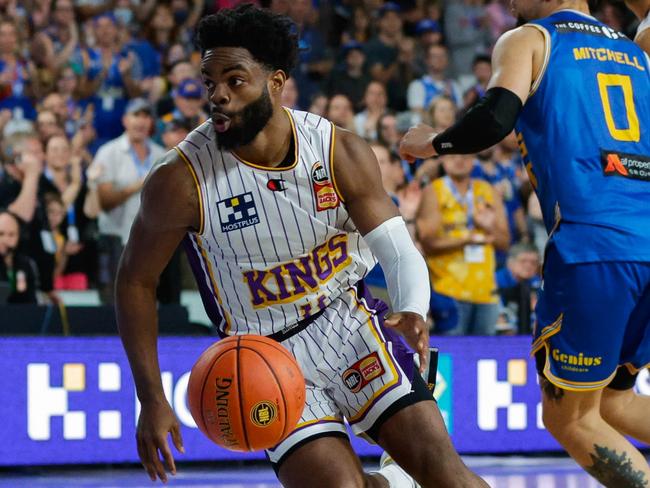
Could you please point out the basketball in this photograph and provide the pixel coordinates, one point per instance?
(246, 393)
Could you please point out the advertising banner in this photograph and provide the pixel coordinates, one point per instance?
(72, 400)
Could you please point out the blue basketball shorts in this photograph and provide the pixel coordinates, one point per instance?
(591, 318)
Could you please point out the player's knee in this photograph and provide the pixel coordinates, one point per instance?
(614, 404)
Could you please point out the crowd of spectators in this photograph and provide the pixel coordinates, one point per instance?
(92, 92)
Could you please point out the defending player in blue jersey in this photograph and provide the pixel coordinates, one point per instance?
(578, 92)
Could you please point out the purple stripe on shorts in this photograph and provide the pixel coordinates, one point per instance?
(401, 352)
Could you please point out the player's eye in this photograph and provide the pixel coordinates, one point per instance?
(234, 81)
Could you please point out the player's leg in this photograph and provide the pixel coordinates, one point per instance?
(416, 438)
(384, 398)
(583, 332)
(574, 419)
(326, 462)
(627, 412)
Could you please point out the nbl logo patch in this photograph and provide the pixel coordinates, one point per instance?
(237, 212)
(627, 165)
(363, 372)
(324, 192)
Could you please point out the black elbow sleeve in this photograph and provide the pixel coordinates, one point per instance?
(486, 123)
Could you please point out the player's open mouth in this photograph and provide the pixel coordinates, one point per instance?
(221, 122)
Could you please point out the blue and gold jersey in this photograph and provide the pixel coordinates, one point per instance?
(584, 133)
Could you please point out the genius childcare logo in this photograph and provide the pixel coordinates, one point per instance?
(46, 401)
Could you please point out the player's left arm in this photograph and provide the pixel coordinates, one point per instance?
(358, 180)
(517, 58)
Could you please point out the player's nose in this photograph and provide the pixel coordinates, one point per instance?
(220, 96)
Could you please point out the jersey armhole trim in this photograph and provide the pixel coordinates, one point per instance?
(199, 193)
(547, 56)
(332, 144)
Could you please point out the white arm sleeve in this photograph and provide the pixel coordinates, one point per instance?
(406, 272)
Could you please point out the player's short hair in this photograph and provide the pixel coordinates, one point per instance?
(272, 39)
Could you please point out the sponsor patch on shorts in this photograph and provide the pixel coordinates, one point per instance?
(363, 372)
(627, 165)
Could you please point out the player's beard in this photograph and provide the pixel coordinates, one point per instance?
(246, 123)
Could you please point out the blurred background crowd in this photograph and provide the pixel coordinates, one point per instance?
(92, 92)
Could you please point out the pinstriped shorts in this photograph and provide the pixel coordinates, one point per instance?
(354, 370)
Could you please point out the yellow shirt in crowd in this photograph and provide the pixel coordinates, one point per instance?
(465, 274)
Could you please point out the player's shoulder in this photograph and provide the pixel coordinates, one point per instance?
(308, 120)
(527, 33)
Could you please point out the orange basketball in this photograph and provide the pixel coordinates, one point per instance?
(246, 393)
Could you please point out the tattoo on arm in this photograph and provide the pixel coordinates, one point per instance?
(551, 391)
(615, 470)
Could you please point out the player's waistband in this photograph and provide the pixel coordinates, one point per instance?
(294, 329)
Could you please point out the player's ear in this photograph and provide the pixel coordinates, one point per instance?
(276, 81)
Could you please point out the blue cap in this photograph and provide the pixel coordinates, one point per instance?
(389, 7)
(107, 15)
(427, 25)
(190, 88)
(350, 46)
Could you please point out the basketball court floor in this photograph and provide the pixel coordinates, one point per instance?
(508, 472)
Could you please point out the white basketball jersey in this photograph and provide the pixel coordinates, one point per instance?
(276, 245)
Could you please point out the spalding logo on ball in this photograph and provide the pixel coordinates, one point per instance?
(246, 393)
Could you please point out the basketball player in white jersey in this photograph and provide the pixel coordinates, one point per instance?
(641, 8)
(271, 205)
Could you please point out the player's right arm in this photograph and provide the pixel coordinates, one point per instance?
(643, 40)
(517, 58)
(169, 208)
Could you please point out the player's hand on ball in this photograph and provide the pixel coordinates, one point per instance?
(411, 326)
(417, 143)
(156, 420)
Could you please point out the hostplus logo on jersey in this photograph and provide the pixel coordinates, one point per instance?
(238, 212)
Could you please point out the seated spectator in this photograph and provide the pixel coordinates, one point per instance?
(434, 83)
(318, 104)
(178, 72)
(188, 105)
(290, 94)
(48, 124)
(350, 78)
(340, 113)
(482, 70)
(428, 34)
(124, 162)
(460, 222)
(16, 72)
(17, 271)
(375, 103)
(441, 113)
(518, 283)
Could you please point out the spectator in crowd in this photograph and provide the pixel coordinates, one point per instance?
(518, 283)
(48, 124)
(466, 33)
(18, 274)
(387, 133)
(441, 112)
(290, 94)
(61, 36)
(460, 222)
(375, 103)
(124, 164)
(340, 113)
(110, 77)
(318, 104)
(482, 70)
(19, 178)
(407, 71)
(16, 73)
(360, 27)
(434, 83)
(179, 71)
(428, 34)
(314, 62)
(351, 78)
(382, 50)
(499, 18)
(188, 105)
